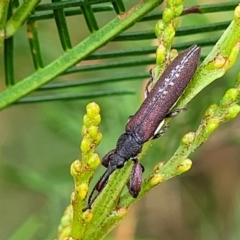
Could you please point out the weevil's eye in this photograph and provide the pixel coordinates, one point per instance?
(120, 161)
(106, 158)
(120, 165)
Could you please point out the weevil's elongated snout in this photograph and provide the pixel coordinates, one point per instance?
(100, 185)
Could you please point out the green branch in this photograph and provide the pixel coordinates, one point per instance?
(76, 54)
(19, 17)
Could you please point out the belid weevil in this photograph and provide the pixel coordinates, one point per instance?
(144, 124)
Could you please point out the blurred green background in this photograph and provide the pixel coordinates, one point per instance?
(39, 142)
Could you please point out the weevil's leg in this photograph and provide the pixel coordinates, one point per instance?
(136, 162)
(129, 118)
(150, 82)
(161, 132)
(175, 112)
(135, 181)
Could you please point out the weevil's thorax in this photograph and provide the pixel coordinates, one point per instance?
(127, 148)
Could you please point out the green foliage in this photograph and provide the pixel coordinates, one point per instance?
(51, 179)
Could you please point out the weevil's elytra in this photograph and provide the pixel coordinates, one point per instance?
(143, 125)
(164, 94)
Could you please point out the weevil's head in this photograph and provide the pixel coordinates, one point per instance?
(113, 160)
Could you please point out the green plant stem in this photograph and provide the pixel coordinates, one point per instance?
(183, 31)
(118, 6)
(76, 54)
(106, 204)
(83, 170)
(148, 50)
(62, 28)
(4, 9)
(94, 81)
(68, 12)
(208, 8)
(33, 39)
(3, 12)
(74, 96)
(8, 60)
(19, 17)
(90, 18)
(67, 4)
(109, 65)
